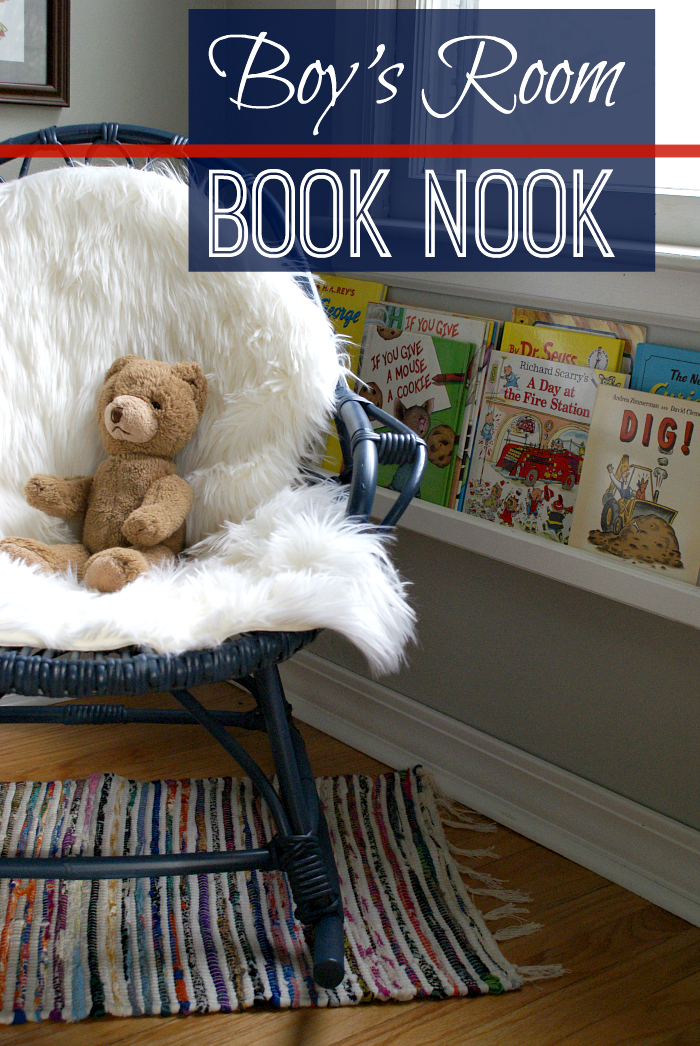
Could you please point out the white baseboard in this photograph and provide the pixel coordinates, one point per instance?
(635, 847)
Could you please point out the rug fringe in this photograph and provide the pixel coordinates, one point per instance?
(508, 932)
(471, 827)
(483, 877)
(457, 815)
(541, 973)
(459, 851)
(501, 895)
(506, 911)
(519, 928)
(454, 815)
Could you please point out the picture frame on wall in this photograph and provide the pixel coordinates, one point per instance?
(35, 52)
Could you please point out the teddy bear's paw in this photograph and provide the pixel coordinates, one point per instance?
(145, 527)
(41, 491)
(23, 550)
(111, 570)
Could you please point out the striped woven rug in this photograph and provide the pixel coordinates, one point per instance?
(69, 950)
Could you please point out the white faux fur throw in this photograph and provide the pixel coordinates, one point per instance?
(93, 263)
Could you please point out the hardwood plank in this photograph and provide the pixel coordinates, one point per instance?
(547, 1018)
(670, 1017)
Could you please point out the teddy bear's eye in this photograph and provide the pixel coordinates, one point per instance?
(156, 405)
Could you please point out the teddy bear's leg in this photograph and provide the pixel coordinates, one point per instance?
(111, 570)
(158, 555)
(51, 558)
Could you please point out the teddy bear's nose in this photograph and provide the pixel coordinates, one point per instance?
(130, 418)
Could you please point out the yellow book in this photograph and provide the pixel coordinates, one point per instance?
(631, 333)
(345, 304)
(575, 348)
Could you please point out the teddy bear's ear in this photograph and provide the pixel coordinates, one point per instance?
(119, 365)
(193, 374)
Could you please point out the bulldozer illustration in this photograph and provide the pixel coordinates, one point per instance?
(633, 491)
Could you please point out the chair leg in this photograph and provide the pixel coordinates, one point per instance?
(329, 933)
(308, 859)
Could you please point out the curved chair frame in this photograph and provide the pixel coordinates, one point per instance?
(301, 846)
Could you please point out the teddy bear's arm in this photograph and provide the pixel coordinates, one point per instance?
(161, 512)
(65, 498)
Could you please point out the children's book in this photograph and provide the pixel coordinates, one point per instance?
(578, 348)
(639, 496)
(468, 330)
(530, 443)
(345, 303)
(416, 365)
(666, 371)
(631, 333)
(476, 392)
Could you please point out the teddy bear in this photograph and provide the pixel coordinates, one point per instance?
(133, 509)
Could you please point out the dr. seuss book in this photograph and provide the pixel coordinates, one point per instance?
(345, 304)
(415, 367)
(631, 333)
(560, 345)
(639, 496)
(667, 371)
(530, 443)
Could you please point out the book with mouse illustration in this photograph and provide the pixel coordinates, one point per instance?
(417, 366)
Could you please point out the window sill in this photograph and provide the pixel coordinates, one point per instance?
(668, 296)
(671, 256)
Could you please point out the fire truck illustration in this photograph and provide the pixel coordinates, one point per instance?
(558, 463)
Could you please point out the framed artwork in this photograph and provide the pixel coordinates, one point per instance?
(34, 51)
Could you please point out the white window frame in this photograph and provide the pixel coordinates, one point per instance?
(665, 294)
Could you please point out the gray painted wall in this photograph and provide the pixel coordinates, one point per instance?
(605, 691)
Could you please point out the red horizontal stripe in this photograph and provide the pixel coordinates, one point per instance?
(356, 151)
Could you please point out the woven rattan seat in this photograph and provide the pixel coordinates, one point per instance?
(131, 671)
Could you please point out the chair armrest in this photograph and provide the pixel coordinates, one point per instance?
(368, 449)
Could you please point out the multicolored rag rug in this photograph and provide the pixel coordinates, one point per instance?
(224, 942)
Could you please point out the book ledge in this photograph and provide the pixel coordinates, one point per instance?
(600, 574)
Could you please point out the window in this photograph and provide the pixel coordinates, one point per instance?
(677, 111)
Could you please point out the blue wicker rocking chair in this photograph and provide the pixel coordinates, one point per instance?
(301, 846)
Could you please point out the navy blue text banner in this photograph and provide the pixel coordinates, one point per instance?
(422, 140)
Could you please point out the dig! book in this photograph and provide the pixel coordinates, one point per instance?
(562, 345)
(416, 365)
(639, 496)
(530, 443)
(345, 303)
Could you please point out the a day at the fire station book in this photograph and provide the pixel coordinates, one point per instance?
(531, 441)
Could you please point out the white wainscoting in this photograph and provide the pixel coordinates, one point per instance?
(635, 847)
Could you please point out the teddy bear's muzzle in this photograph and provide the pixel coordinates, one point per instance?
(130, 418)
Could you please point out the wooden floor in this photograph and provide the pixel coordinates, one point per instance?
(634, 969)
